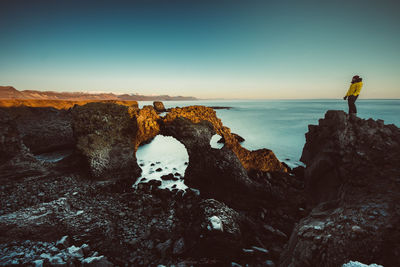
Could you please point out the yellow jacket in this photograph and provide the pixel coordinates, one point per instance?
(355, 89)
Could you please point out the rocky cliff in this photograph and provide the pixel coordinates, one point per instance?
(105, 134)
(16, 161)
(42, 129)
(353, 188)
(246, 213)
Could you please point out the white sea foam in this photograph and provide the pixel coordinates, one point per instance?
(214, 141)
(164, 155)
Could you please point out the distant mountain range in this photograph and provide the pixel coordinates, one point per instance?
(9, 92)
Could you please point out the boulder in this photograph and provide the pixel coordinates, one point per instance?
(159, 106)
(105, 135)
(219, 230)
(352, 179)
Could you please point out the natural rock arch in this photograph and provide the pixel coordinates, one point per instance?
(261, 159)
(101, 129)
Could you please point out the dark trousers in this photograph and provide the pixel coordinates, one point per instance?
(351, 100)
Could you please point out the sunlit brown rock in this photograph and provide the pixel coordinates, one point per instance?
(147, 124)
(159, 106)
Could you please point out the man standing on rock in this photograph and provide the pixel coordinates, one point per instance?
(352, 94)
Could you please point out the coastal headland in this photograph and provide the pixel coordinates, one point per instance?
(241, 207)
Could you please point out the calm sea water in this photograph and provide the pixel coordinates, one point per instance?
(280, 125)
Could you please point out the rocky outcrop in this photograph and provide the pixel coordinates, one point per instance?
(10, 140)
(159, 106)
(238, 214)
(262, 159)
(16, 161)
(238, 138)
(217, 173)
(147, 124)
(43, 129)
(105, 135)
(352, 178)
(219, 228)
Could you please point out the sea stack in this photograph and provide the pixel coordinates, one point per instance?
(104, 133)
(159, 106)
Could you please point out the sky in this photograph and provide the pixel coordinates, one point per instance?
(207, 49)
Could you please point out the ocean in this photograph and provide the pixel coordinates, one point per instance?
(279, 125)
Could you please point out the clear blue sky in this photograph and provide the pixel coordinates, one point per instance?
(207, 49)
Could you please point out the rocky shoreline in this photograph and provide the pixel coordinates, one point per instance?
(241, 208)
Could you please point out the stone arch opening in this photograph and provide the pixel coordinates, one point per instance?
(215, 141)
(164, 159)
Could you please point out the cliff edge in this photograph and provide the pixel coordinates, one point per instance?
(353, 185)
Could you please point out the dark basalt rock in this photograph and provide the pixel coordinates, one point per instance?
(240, 214)
(16, 161)
(10, 142)
(352, 180)
(43, 129)
(237, 137)
(169, 177)
(217, 173)
(220, 230)
(159, 106)
(104, 134)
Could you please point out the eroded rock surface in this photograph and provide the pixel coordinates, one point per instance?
(148, 127)
(352, 178)
(238, 216)
(16, 161)
(217, 173)
(105, 135)
(43, 129)
(10, 141)
(262, 159)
